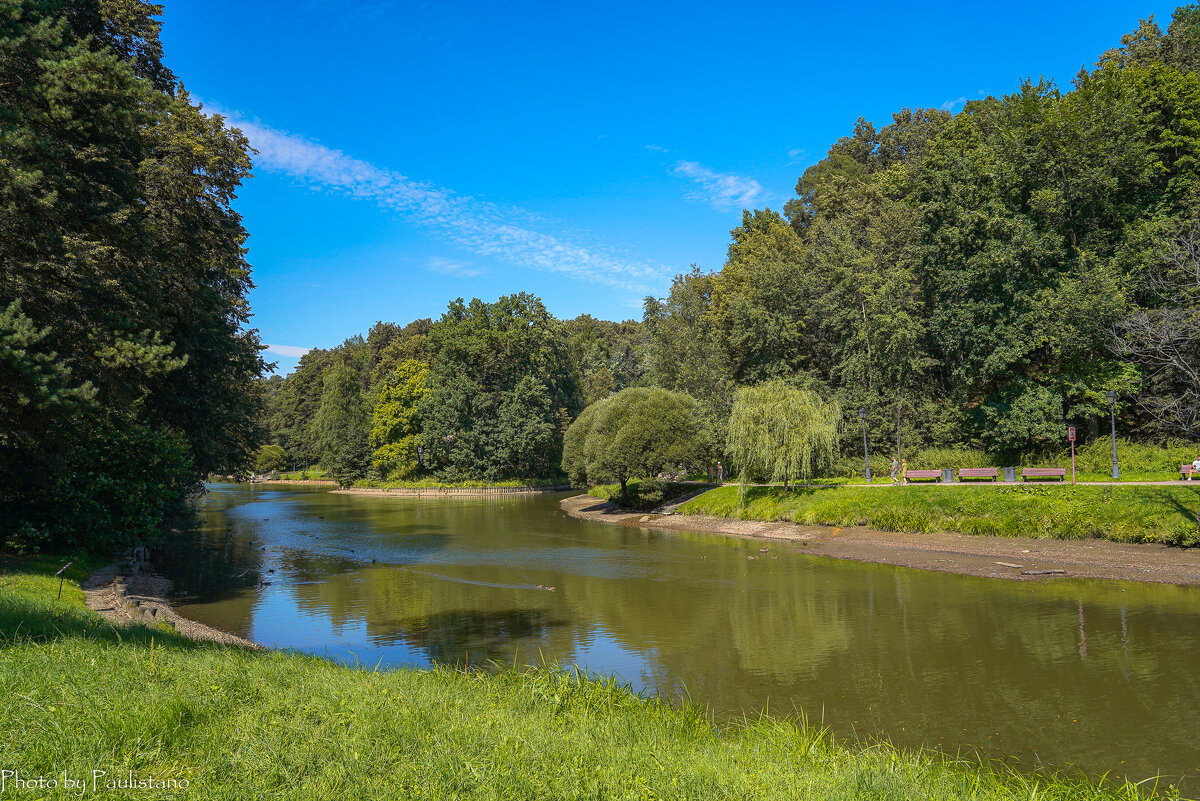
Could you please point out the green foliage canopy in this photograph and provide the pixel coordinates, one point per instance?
(502, 390)
(269, 459)
(118, 236)
(395, 420)
(638, 432)
(343, 424)
(781, 433)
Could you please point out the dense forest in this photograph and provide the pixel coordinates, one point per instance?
(975, 280)
(126, 365)
(486, 392)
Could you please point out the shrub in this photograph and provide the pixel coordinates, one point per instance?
(269, 459)
(644, 495)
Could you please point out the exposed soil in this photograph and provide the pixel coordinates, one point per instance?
(152, 592)
(1012, 558)
(439, 492)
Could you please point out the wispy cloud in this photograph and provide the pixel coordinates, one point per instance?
(474, 225)
(950, 105)
(457, 269)
(656, 149)
(291, 351)
(722, 191)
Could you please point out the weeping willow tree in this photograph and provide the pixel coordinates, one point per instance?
(781, 433)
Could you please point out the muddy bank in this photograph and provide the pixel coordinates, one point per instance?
(320, 482)
(1015, 559)
(103, 592)
(442, 492)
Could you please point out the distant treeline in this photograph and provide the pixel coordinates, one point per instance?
(979, 280)
(486, 393)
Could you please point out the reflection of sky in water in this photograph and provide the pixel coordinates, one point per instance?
(597, 651)
(1080, 672)
(278, 623)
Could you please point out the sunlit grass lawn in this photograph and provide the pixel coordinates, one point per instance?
(239, 724)
(310, 474)
(1121, 513)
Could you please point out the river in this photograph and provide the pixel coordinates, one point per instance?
(1103, 676)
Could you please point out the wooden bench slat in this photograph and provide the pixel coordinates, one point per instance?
(921, 474)
(1043, 472)
(978, 472)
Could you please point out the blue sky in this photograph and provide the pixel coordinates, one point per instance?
(413, 153)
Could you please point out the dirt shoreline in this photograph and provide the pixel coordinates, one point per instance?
(444, 492)
(1010, 558)
(150, 592)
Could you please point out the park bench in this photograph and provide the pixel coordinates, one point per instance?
(1185, 470)
(920, 475)
(1044, 472)
(977, 472)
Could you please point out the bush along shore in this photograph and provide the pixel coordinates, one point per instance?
(229, 722)
(644, 494)
(1164, 514)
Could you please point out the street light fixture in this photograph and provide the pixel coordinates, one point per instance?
(1112, 414)
(862, 414)
(420, 450)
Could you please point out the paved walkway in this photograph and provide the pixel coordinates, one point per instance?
(887, 482)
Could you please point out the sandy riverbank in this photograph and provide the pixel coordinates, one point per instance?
(1015, 559)
(151, 592)
(441, 492)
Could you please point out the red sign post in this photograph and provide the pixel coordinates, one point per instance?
(1071, 439)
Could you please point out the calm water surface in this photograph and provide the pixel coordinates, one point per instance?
(1101, 675)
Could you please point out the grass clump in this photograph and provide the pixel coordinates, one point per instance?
(236, 723)
(1118, 513)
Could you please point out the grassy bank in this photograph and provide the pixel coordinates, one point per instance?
(1122, 514)
(311, 474)
(237, 724)
(1093, 461)
(431, 483)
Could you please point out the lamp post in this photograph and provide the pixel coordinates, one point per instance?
(420, 450)
(1112, 414)
(862, 414)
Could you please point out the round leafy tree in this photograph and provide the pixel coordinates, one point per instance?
(636, 432)
(270, 458)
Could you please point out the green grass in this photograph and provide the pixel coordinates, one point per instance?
(1081, 476)
(241, 724)
(311, 473)
(1122, 514)
(432, 483)
(1093, 462)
